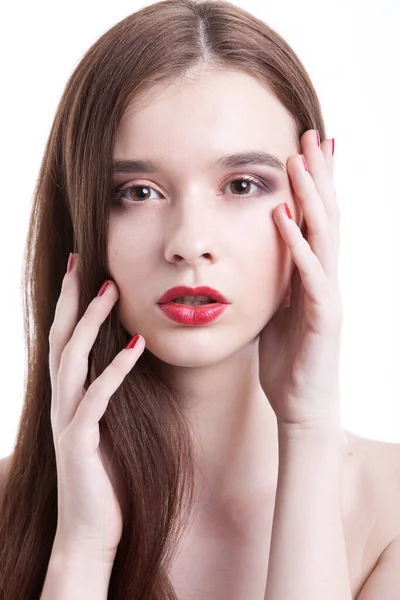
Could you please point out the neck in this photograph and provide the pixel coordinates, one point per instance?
(235, 434)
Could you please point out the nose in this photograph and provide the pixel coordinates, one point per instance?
(190, 238)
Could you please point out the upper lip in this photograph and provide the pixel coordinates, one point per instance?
(183, 290)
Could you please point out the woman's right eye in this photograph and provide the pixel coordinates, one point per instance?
(118, 194)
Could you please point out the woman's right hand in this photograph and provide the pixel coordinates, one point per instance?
(89, 514)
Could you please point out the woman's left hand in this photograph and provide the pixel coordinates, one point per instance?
(299, 348)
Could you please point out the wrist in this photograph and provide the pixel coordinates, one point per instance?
(327, 436)
(74, 573)
(68, 550)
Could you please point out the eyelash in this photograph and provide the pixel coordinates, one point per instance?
(119, 191)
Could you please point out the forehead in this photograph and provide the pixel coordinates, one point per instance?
(202, 115)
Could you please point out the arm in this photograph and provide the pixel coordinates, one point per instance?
(308, 556)
(73, 573)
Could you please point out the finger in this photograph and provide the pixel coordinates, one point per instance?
(320, 166)
(320, 236)
(94, 403)
(73, 369)
(317, 164)
(326, 149)
(64, 322)
(310, 269)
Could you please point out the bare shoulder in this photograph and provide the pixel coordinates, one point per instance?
(381, 460)
(4, 462)
(378, 477)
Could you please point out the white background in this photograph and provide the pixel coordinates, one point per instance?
(351, 51)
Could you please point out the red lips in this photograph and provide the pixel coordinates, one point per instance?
(183, 290)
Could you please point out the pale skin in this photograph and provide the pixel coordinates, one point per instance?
(188, 235)
(198, 228)
(191, 227)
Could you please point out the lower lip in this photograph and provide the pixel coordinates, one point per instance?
(193, 315)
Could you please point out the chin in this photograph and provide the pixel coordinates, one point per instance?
(189, 353)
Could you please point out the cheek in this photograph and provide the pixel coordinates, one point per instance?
(127, 241)
(266, 265)
(130, 257)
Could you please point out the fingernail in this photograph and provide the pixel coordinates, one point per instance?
(287, 209)
(318, 139)
(333, 146)
(304, 162)
(71, 262)
(133, 341)
(104, 287)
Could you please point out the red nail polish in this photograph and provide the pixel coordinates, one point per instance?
(103, 287)
(318, 139)
(287, 209)
(133, 341)
(304, 162)
(333, 146)
(71, 262)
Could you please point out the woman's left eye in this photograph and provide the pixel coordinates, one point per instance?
(244, 183)
(239, 184)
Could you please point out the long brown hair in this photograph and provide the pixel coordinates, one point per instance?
(144, 423)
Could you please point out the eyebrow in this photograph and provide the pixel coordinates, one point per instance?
(227, 161)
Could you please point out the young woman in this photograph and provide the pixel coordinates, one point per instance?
(206, 459)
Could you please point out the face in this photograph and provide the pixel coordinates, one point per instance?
(190, 223)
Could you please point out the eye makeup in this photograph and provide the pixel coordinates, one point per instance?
(119, 191)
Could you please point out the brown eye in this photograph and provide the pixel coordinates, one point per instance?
(133, 194)
(140, 193)
(136, 192)
(240, 186)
